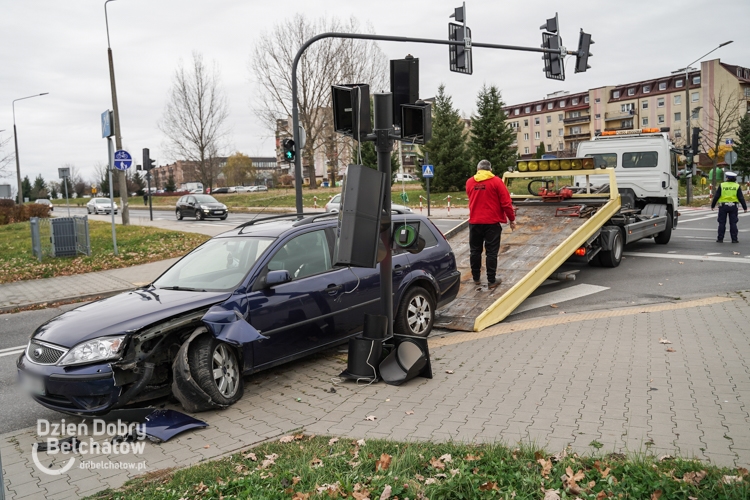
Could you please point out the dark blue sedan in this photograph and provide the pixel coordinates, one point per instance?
(255, 297)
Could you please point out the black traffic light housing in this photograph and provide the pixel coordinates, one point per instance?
(416, 122)
(351, 110)
(553, 63)
(583, 54)
(695, 145)
(404, 84)
(148, 163)
(289, 153)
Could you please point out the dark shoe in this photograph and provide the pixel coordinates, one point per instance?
(719, 241)
(493, 284)
(735, 241)
(477, 281)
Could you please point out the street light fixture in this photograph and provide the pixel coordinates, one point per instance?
(691, 164)
(15, 141)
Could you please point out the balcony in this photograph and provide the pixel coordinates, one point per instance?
(578, 136)
(624, 126)
(618, 116)
(577, 119)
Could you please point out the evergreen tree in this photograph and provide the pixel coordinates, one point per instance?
(370, 156)
(169, 187)
(53, 191)
(26, 189)
(139, 183)
(447, 148)
(39, 190)
(742, 147)
(540, 150)
(491, 138)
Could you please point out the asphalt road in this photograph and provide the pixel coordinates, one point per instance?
(691, 265)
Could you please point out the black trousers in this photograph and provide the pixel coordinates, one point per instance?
(487, 236)
(731, 212)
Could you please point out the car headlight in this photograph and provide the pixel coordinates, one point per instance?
(100, 349)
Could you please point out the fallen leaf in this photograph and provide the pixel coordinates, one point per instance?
(200, 487)
(664, 341)
(446, 458)
(251, 456)
(386, 492)
(436, 463)
(269, 461)
(553, 305)
(454, 472)
(546, 467)
(551, 495)
(471, 458)
(601, 496)
(430, 480)
(207, 446)
(440, 476)
(333, 441)
(361, 495)
(295, 480)
(694, 478)
(384, 462)
(449, 372)
(656, 495)
(361, 442)
(299, 437)
(488, 486)
(301, 496)
(371, 418)
(316, 463)
(736, 253)
(743, 472)
(410, 412)
(419, 477)
(669, 349)
(286, 439)
(660, 284)
(680, 262)
(731, 479)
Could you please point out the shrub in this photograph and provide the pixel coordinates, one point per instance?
(11, 213)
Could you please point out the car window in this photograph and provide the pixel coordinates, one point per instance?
(205, 198)
(303, 256)
(181, 200)
(219, 264)
(604, 160)
(640, 160)
(336, 199)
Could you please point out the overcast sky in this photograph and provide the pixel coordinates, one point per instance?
(60, 47)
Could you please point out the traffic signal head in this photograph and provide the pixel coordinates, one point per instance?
(696, 140)
(583, 54)
(148, 163)
(553, 64)
(550, 25)
(458, 14)
(289, 153)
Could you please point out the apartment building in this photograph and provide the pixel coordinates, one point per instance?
(562, 120)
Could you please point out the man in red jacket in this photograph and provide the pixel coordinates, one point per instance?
(489, 206)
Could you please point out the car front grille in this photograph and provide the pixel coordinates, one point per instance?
(43, 354)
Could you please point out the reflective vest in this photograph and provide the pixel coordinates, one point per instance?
(729, 192)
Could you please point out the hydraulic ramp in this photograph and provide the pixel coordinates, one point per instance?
(528, 256)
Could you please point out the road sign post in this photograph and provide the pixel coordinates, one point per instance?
(730, 157)
(112, 191)
(64, 174)
(428, 172)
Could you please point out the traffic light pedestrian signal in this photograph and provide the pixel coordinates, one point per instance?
(582, 57)
(148, 163)
(289, 153)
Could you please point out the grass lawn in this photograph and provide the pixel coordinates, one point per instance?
(319, 467)
(136, 245)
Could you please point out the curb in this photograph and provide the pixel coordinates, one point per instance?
(456, 229)
(71, 299)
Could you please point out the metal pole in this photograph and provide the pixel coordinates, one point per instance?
(383, 119)
(67, 204)
(121, 178)
(111, 161)
(689, 157)
(2, 482)
(148, 186)
(427, 162)
(15, 142)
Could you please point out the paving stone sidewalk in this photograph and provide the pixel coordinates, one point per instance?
(567, 379)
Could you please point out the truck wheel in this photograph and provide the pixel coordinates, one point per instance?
(663, 237)
(216, 370)
(416, 313)
(612, 258)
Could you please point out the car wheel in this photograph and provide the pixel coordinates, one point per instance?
(178, 214)
(88, 210)
(223, 218)
(216, 369)
(416, 313)
(663, 237)
(612, 258)
(199, 215)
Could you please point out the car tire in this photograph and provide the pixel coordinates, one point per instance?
(223, 218)
(663, 237)
(612, 258)
(88, 210)
(208, 357)
(416, 313)
(178, 214)
(199, 215)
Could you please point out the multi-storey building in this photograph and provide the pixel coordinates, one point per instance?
(562, 120)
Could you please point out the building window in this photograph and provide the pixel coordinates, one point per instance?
(677, 100)
(562, 103)
(662, 85)
(536, 135)
(646, 89)
(660, 102)
(586, 99)
(626, 124)
(660, 119)
(526, 150)
(597, 116)
(694, 114)
(549, 147)
(694, 97)
(644, 122)
(678, 83)
(560, 132)
(644, 105)
(696, 80)
(677, 117)
(538, 107)
(516, 111)
(549, 119)
(615, 94)
(536, 121)
(526, 136)
(626, 108)
(549, 133)
(575, 130)
(550, 105)
(677, 133)
(631, 91)
(560, 117)
(574, 101)
(528, 109)
(526, 123)
(561, 146)
(597, 100)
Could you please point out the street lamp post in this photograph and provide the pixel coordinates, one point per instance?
(691, 153)
(15, 142)
(121, 178)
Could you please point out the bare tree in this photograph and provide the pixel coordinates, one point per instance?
(723, 116)
(194, 118)
(323, 64)
(5, 159)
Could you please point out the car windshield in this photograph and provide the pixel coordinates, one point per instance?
(204, 198)
(101, 201)
(219, 264)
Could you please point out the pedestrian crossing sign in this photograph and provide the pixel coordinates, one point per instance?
(428, 171)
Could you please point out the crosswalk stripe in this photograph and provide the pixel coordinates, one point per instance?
(705, 258)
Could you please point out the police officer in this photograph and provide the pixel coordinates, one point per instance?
(728, 195)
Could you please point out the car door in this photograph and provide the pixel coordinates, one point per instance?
(298, 316)
(191, 206)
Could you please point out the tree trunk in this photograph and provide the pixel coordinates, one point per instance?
(311, 170)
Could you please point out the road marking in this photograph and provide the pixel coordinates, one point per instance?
(12, 353)
(547, 299)
(714, 216)
(12, 348)
(535, 324)
(706, 258)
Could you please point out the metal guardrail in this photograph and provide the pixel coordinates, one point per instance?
(60, 237)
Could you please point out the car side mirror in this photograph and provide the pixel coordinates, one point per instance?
(274, 278)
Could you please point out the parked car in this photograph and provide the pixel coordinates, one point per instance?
(196, 191)
(241, 189)
(404, 177)
(45, 201)
(262, 188)
(200, 206)
(260, 295)
(100, 205)
(334, 206)
(221, 190)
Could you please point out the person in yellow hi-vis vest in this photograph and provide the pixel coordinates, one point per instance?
(728, 195)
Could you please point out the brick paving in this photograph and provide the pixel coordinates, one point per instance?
(568, 379)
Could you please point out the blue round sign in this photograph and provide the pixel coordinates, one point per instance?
(123, 160)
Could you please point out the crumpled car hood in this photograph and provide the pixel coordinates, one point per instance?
(127, 311)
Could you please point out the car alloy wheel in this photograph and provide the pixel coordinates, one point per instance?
(225, 371)
(416, 313)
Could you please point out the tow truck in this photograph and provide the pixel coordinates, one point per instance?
(621, 187)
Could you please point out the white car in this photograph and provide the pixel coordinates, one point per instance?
(334, 206)
(242, 189)
(100, 206)
(405, 178)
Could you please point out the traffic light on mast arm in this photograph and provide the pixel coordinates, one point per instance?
(553, 62)
(583, 54)
(289, 153)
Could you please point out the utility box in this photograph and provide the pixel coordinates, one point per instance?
(63, 237)
(60, 237)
